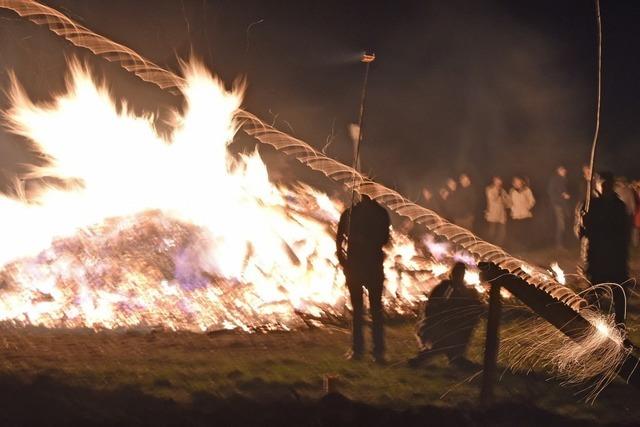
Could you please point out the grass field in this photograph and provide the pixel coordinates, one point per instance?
(178, 368)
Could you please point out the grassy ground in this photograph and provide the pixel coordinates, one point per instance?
(280, 366)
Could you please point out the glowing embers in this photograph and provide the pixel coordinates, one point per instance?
(606, 331)
(592, 357)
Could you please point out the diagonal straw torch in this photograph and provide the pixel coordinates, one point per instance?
(367, 59)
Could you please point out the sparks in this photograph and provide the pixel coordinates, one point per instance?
(603, 329)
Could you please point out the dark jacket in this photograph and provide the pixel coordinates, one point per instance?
(450, 315)
(365, 235)
(433, 204)
(467, 201)
(557, 186)
(606, 230)
(455, 204)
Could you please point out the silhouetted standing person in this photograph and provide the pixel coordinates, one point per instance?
(429, 201)
(363, 231)
(606, 233)
(626, 194)
(559, 196)
(451, 313)
(584, 182)
(453, 205)
(522, 202)
(496, 213)
(443, 202)
(466, 199)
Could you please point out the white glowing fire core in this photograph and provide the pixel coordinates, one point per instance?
(124, 167)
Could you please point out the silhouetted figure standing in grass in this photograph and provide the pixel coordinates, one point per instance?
(430, 201)
(496, 213)
(606, 233)
(451, 314)
(443, 203)
(559, 198)
(467, 199)
(363, 231)
(522, 203)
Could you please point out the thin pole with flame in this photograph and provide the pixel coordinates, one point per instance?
(367, 59)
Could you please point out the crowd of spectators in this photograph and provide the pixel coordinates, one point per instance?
(505, 215)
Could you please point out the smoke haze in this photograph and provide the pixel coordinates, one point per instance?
(484, 87)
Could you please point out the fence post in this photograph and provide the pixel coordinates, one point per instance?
(492, 342)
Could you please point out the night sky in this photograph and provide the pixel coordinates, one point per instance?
(487, 87)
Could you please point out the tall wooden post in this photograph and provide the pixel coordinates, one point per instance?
(492, 342)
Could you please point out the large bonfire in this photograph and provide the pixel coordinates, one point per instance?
(173, 231)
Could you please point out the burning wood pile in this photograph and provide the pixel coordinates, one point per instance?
(151, 271)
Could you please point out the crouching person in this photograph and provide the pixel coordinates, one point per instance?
(450, 316)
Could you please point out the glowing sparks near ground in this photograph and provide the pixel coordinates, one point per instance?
(591, 358)
(603, 329)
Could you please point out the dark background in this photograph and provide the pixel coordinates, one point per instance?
(495, 86)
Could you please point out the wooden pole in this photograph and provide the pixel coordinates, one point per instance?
(492, 343)
(367, 59)
(594, 144)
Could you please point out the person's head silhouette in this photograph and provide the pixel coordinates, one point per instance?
(457, 273)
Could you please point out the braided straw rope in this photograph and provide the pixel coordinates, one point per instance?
(81, 36)
(300, 150)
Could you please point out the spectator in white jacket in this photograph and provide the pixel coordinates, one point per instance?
(496, 213)
(522, 202)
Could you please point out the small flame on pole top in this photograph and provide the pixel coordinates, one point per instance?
(368, 57)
